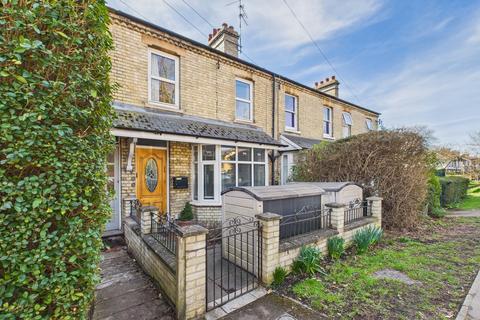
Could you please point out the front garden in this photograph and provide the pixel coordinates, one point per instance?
(426, 275)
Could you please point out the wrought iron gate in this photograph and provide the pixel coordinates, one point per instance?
(233, 267)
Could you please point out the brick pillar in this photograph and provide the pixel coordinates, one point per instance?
(337, 215)
(127, 205)
(146, 218)
(270, 244)
(376, 208)
(191, 272)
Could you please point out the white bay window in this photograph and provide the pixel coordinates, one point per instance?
(217, 168)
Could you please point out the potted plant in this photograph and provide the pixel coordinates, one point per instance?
(186, 215)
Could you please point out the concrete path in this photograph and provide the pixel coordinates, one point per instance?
(273, 307)
(125, 292)
(463, 213)
(471, 306)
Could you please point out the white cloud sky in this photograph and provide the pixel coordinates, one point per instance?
(437, 85)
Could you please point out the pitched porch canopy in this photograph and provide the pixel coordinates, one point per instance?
(297, 143)
(148, 123)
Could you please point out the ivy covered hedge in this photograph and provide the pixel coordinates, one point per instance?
(55, 116)
(454, 190)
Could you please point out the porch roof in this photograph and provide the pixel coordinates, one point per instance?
(298, 143)
(149, 120)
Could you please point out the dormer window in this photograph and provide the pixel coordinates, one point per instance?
(163, 87)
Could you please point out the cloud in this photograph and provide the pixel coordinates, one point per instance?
(437, 87)
(270, 23)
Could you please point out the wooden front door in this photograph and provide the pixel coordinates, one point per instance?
(152, 177)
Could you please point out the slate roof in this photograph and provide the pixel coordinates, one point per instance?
(304, 143)
(149, 120)
(285, 191)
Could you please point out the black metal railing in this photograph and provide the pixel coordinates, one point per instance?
(307, 220)
(357, 211)
(165, 232)
(135, 209)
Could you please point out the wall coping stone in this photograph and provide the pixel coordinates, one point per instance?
(305, 239)
(167, 257)
(359, 223)
(374, 198)
(191, 230)
(268, 216)
(335, 205)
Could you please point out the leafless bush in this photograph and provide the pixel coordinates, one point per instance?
(391, 164)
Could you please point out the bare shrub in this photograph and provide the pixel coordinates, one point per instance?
(392, 164)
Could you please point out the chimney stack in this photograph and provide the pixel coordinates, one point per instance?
(224, 39)
(328, 86)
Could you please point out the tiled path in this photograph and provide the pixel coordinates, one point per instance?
(125, 292)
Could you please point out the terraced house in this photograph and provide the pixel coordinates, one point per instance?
(194, 119)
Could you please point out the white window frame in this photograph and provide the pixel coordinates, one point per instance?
(329, 121)
(250, 102)
(176, 82)
(369, 124)
(347, 124)
(218, 174)
(295, 113)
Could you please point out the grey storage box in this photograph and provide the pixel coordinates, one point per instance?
(243, 203)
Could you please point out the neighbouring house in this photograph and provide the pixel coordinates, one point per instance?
(194, 120)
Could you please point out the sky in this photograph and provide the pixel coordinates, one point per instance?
(416, 62)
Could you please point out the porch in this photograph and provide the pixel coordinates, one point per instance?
(166, 159)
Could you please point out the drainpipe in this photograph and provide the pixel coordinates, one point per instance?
(274, 105)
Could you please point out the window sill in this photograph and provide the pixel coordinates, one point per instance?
(243, 121)
(206, 203)
(328, 137)
(164, 106)
(292, 130)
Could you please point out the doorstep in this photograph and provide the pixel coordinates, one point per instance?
(235, 304)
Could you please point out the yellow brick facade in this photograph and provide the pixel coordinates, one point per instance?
(207, 89)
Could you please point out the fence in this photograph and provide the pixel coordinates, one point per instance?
(134, 205)
(164, 231)
(357, 211)
(305, 221)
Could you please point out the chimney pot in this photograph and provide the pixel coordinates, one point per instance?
(333, 77)
(224, 39)
(328, 79)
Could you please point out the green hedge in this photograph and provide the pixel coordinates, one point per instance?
(55, 116)
(454, 189)
(434, 193)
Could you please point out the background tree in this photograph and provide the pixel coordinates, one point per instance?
(394, 164)
(55, 118)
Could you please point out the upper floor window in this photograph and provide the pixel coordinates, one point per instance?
(243, 100)
(369, 124)
(290, 112)
(347, 124)
(163, 79)
(327, 122)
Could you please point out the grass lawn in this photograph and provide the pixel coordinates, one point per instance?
(444, 255)
(472, 201)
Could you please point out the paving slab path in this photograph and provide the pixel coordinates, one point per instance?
(273, 307)
(126, 292)
(463, 213)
